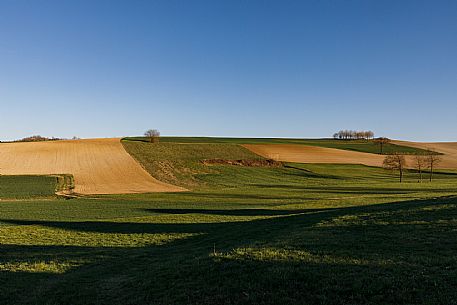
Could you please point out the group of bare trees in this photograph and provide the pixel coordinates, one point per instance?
(421, 163)
(37, 138)
(353, 135)
(430, 160)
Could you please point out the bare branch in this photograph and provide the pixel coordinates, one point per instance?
(395, 162)
(432, 160)
(153, 135)
(420, 163)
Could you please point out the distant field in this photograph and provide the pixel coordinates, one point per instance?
(21, 187)
(354, 145)
(448, 151)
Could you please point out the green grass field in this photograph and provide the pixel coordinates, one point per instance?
(22, 187)
(301, 234)
(354, 145)
(180, 164)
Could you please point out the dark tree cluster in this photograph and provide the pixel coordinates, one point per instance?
(353, 135)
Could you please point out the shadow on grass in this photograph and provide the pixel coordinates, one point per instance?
(363, 190)
(266, 197)
(396, 253)
(302, 172)
(235, 212)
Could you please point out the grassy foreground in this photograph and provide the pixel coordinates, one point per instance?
(354, 145)
(302, 234)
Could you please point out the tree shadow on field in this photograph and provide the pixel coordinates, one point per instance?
(396, 253)
(357, 189)
(306, 173)
(236, 212)
(238, 196)
(244, 196)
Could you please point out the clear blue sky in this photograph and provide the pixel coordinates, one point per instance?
(228, 68)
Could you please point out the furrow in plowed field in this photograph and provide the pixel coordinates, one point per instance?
(99, 166)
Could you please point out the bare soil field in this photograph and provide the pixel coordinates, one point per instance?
(448, 149)
(313, 154)
(99, 166)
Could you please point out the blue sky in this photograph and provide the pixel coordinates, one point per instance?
(228, 68)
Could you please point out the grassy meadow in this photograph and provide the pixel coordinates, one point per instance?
(23, 187)
(180, 163)
(300, 234)
(367, 146)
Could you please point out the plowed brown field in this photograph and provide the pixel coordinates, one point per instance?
(99, 166)
(448, 149)
(313, 154)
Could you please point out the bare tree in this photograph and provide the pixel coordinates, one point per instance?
(153, 135)
(381, 142)
(420, 162)
(395, 162)
(359, 135)
(432, 160)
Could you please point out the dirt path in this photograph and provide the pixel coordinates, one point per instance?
(99, 166)
(314, 154)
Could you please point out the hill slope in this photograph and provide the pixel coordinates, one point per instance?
(181, 164)
(351, 145)
(99, 166)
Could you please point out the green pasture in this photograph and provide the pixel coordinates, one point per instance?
(301, 234)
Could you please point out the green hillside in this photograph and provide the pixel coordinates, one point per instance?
(367, 146)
